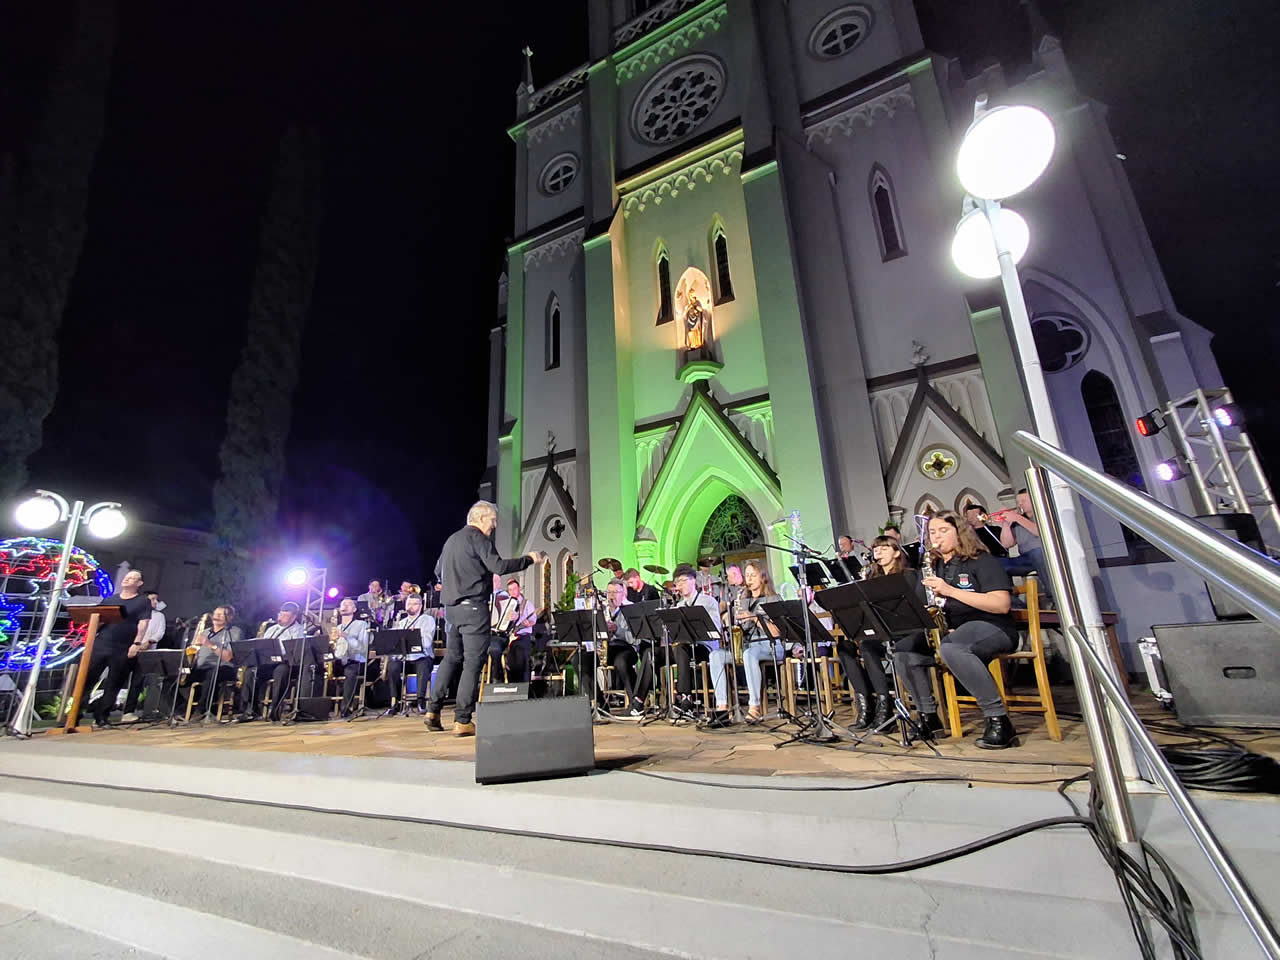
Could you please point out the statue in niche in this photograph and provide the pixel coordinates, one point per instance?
(693, 311)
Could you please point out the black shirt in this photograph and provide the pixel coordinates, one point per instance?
(982, 574)
(468, 564)
(120, 636)
(647, 591)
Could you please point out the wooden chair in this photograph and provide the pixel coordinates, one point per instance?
(1042, 701)
(824, 692)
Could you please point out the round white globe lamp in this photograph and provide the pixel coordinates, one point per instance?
(38, 513)
(973, 249)
(1005, 151)
(107, 523)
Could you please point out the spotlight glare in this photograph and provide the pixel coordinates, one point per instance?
(296, 576)
(333, 593)
(37, 513)
(1226, 415)
(1168, 471)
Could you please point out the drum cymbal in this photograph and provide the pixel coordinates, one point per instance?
(655, 568)
(609, 563)
(708, 561)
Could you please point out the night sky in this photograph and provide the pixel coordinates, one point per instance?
(387, 441)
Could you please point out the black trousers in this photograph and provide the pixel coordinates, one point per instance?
(864, 665)
(465, 649)
(133, 673)
(352, 676)
(258, 682)
(685, 658)
(422, 669)
(117, 663)
(160, 692)
(622, 657)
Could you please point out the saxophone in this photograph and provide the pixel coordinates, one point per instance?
(193, 646)
(932, 602)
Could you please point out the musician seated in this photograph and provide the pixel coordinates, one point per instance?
(975, 591)
(352, 641)
(262, 680)
(759, 635)
(415, 618)
(620, 652)
(637, 590)
(707, 650)
(988, 534)
(863, 660)
(213, 651)
(520, 617)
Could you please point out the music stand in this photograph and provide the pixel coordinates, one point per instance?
(647, 627)
(790, 616)
(311, 650)
(838, 566)
(884, 607)
(394, 645)
(167, 664)
(579, 627)
(95, 616)
(691, 625)
(814, 574)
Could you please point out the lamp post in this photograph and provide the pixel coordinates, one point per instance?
(46, 508)
(1004, 151)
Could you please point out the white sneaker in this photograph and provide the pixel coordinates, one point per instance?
(129, 718)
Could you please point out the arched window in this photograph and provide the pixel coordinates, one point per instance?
(553, 333)
(884, 208)
(724, 280)
(1111, 434)
(665, 313)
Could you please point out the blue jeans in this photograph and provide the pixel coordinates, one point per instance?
(753, 657)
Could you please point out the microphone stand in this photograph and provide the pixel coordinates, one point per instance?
(816, 728)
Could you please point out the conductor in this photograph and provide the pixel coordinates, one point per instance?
(468, 565)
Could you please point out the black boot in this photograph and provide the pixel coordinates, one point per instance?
(864, 713)
(927, 725)
(999, 734)
(884, 710)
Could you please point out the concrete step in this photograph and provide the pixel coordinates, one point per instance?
(26, 934)
(242, 862)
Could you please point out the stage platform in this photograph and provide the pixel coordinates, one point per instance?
(740, 749)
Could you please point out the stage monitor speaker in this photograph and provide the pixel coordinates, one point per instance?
(501, 692)
(533, 739)
(314, 708)
(1242, 528)
(1222, 674)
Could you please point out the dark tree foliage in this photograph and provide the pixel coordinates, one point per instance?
(252, 458)
(43, 195)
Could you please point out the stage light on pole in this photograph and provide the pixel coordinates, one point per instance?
(333, 593)
(1004, 151)
(973, 248)
(1167, 471)
(1149, 424)
(296, 576)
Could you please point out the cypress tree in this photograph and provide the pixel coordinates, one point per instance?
(252, 459)
(43, 196)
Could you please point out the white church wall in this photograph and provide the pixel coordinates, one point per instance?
(888, 35)
(708, 37)
(916, 296)
(682, 225)
(552, 141)
(965, 390)
(549, 395)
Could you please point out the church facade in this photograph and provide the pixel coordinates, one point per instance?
(730, 299)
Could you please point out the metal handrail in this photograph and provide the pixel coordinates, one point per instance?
(1209, 553)
(1248, 576)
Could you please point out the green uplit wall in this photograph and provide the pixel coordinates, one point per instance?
(610, 460)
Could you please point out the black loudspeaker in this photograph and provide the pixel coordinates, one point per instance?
(533, 739)
(1222, 674)
(1242, 528)
(501, 692)
(314, 708)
